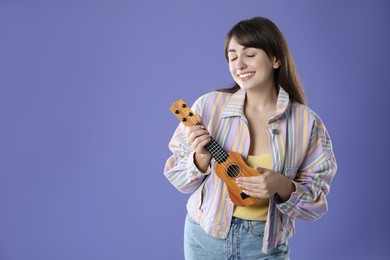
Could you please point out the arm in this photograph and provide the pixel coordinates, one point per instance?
(188, 166)
(313, 178)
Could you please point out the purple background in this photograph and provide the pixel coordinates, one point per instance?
(85, 90)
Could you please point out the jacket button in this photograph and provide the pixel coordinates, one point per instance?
(275, 131)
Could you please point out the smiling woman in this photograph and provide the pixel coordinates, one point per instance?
(263, 117)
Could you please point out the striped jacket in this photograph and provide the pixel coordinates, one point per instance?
(301, 150)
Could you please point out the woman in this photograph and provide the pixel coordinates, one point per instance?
(265, 119)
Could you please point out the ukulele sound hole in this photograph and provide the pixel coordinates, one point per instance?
(233, 171)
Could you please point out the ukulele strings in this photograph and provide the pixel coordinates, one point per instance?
(225, 164)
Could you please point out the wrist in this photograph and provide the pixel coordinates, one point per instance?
(286, 187)
(202, 161)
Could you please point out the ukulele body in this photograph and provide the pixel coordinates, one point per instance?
(235, 167)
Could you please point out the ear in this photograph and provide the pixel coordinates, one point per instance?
(276, 63)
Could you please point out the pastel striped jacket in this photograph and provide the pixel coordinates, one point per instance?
(301, 150)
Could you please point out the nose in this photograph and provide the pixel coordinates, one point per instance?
(240, 64)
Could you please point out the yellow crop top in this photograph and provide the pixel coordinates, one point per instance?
(258, 210)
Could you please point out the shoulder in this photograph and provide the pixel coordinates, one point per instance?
(311, 122)
(210, 106)
(211, 100)
(303, 112)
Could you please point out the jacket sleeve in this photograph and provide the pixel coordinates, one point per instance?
(313, 178)
(180, 168)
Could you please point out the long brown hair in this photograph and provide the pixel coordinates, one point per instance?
(261, 33)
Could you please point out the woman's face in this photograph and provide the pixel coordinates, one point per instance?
(250, 67)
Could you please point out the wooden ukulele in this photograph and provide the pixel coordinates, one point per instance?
(229, 164)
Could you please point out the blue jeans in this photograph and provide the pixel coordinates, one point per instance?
(244, 241)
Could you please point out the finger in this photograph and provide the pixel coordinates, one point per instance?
(200, 140)
(260, 169)
(250, 179)
(262, 190)
(256, 194)
(248, 185)
(242, 179)
(199, 119)
(195, 128)
(204, 142)
(257, 190)
(253, 186)
(197, 134)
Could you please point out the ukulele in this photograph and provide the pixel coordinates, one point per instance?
(229, 166)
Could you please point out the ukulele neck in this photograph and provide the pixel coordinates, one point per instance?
(216, 151)
(187, 117)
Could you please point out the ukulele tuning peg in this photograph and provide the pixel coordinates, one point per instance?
(176, 111)
(190, 114)
(184, 119)
(183, 105)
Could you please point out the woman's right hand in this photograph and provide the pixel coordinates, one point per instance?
(197, 138)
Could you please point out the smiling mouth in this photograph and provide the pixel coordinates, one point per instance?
(246, 76)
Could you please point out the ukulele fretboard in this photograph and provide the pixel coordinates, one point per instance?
(216, 151)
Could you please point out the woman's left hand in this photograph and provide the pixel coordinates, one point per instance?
(266, 184)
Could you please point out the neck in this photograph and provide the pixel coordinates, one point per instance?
(261, 99)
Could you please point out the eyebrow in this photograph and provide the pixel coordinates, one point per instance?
(233, 50)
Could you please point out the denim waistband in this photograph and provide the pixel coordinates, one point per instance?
(238, 221)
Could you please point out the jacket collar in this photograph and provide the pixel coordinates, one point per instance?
(235, 105)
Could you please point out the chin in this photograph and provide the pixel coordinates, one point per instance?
(246, 86)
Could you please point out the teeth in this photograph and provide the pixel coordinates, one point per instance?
(246, 75)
